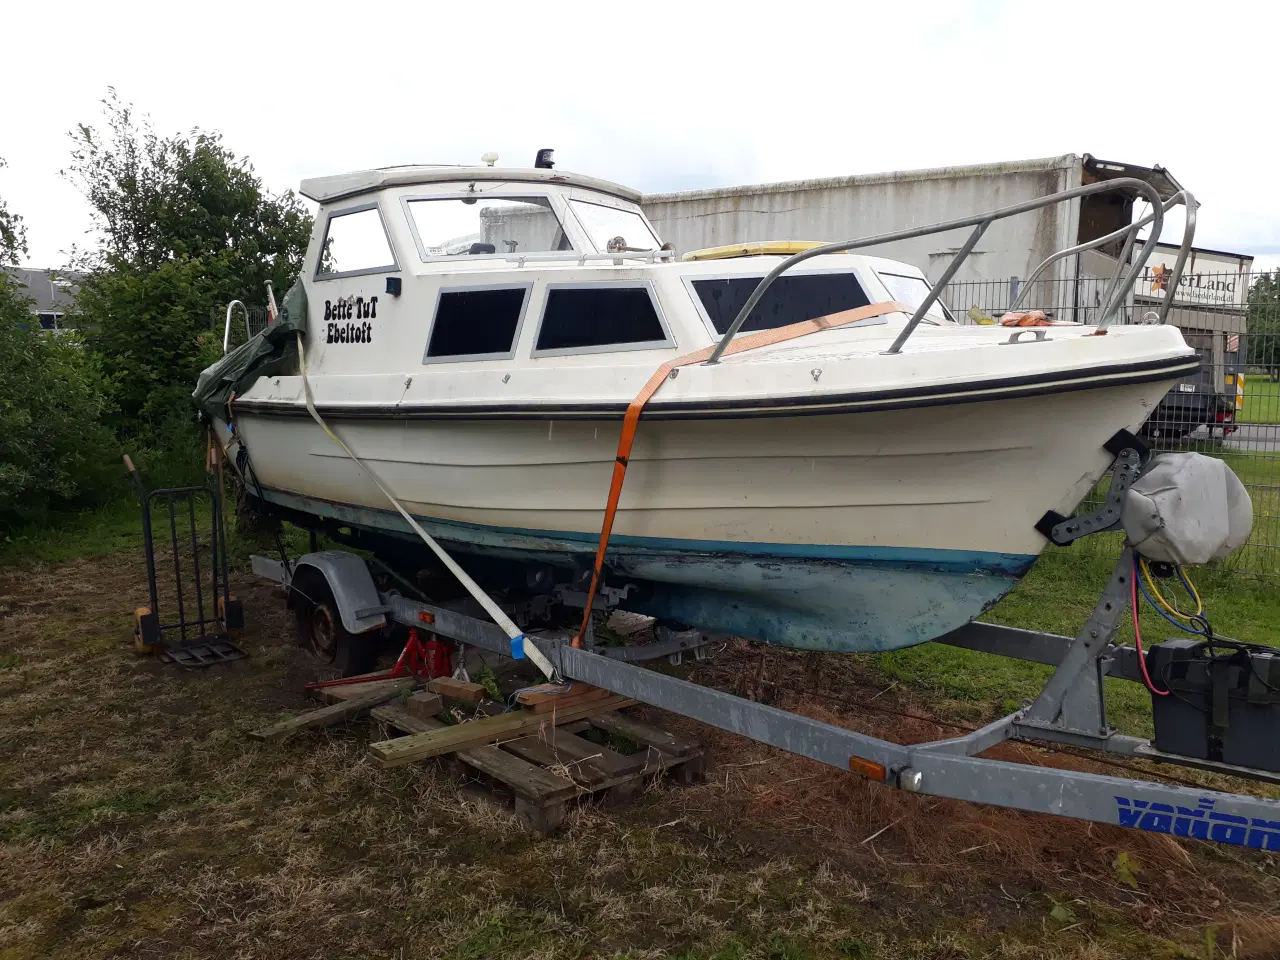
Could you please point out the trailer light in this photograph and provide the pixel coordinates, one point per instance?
(425, 617)
(868, 769)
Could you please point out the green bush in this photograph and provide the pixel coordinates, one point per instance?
(54, 451)
(150, 330)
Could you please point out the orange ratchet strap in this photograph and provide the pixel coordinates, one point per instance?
(764, 338)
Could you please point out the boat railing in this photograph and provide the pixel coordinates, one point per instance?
(980, 222)
(226, 333)
(644, 256)
(1114, 289)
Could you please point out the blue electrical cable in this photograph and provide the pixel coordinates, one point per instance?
(1156, 608)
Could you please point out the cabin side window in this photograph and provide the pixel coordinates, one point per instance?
(484, 226)
(355, 242)
(613, 230)
(788, 300)
(479, 323)
(911, 292)
(589, 317)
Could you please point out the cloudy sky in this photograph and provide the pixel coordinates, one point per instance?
(661, 95)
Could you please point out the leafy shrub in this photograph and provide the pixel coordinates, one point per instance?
(150, 330)
(54, 451)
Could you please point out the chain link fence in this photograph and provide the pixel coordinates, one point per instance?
(245, 324)
(1230, 409)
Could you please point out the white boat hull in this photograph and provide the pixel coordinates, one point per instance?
(848, 531)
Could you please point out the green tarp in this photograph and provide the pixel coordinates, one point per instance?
(271, 352)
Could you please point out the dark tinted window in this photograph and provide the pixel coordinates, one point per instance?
(788, 299)
(598, 316)
(476, 322)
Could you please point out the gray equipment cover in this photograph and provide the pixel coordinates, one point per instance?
(1187, 508)
(271, 352)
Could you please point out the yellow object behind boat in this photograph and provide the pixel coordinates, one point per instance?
(756, 248)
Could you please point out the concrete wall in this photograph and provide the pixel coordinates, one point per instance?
(843, 208)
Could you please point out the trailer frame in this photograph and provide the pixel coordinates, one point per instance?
(1070, 709)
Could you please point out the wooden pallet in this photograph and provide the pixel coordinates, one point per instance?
(545, 761)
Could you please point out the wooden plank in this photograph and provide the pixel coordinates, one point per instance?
(458, 689)
(347, 691)
(507, 726)
(556, 693)
(398, 718)
(524, 779)
(575, 749)
(327, 716)
(645, 735)
(550, 702)
(536, 751)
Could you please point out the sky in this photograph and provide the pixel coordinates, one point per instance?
(660, 96)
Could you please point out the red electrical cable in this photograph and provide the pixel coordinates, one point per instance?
(1137, 632)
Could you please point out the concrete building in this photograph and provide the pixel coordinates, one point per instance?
(841, 208)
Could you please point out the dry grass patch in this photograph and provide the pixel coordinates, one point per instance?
(137, 819)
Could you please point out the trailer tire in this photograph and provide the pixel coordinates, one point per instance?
(320, 630)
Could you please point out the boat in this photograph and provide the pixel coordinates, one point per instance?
(477, 335)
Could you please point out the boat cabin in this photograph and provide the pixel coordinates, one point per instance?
(472, 265)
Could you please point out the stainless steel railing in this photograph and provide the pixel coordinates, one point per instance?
(226, 334)
(1114, 290)
(980, 222)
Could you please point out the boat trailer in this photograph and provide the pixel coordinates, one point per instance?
(1070, 709)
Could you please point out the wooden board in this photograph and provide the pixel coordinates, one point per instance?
(458, 689)
(333, 713)
(346, 691)
(507, 726)
(525, 780)
(535, 750)
(575, 749)
(645, 735)
(398, 718)
(549, 696)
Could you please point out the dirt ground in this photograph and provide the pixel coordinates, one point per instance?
(137, 819)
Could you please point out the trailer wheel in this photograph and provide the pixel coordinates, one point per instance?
(320, 629)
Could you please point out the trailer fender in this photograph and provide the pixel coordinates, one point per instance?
(353, 589)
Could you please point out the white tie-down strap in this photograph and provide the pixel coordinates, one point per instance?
(520, 644)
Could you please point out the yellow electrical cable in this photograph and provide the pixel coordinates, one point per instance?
(1191, 589)
(1159, 597)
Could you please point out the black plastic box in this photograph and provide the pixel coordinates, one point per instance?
(1223, 706)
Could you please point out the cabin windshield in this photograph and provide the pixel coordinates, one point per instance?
(476, 226)
(910, 292)
(613, 230)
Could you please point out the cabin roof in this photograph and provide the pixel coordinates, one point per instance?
(343, 185)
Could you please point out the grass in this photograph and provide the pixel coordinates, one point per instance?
(1057, 597)
(137, 818)
(1261, 400)
(109, 529)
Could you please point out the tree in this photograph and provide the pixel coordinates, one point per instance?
(54, 451)
(13, 235)
(1264, 323)
(185, 226)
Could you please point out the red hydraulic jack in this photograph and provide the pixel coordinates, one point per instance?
(424, 661)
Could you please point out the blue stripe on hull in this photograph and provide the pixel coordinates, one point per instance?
(820, 597)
